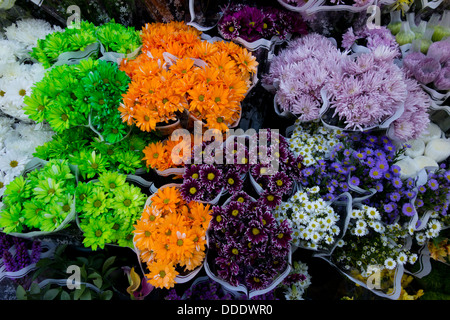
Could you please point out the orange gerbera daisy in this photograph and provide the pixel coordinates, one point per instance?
(126, 113)
(199, 238)
(155, 154)
(162, 275)
(246, 61)
(151, 215)
(208, 75)
(203, 50)
(192, 262)
(183, 244)
(219, 95)
(167, 199)
(144, 235)
(146, 119)
(179, 151)
(200, 213)
(199, 98)
(182, 66)
(147, 256)
(222, 61)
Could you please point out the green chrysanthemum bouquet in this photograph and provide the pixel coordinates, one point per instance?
(85, 94)
(118, 38)
(42, 200)
(94, 157)
(107, 209)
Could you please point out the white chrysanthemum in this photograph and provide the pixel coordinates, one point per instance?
(356, 214)
(28, 31)
(378, 227)
(390, 263)
(420, 237)
(360, 223)
(413, 258)
(335, 230)
(373, 213)
(340, 243)
(360, 231)
(11, 51)
(13, 163)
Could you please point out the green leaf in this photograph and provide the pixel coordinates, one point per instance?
(106, 295)
(83, 272)
(98, 282)
(108, 263)
(34, 288)
(51, 294)
(79, 292)
(65, 295)
(86, 295)
(94, 275)
(83, 260)
(21, 294)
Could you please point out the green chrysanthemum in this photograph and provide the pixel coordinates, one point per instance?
(97, 233)
(33, 212)
(96, 204)
(128, 199)
(16, 191)
(47, 190)
(82, 193)
(129, 161)
(111, 181)
(11, 218)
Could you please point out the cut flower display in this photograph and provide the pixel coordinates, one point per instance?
(177, 71)
(170, 236)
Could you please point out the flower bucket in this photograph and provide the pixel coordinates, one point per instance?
(166, 130)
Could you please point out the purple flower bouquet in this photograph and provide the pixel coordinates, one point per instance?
(250, 251)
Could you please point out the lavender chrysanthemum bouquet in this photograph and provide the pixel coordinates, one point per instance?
(299, 73)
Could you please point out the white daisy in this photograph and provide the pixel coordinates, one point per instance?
(13, 163)
(413, 258)
(390, 263)
(402, 258)
(435, 225)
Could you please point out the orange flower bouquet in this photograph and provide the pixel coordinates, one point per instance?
(177, 71)
(170, 235)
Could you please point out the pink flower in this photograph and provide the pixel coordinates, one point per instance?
(442, 81)
(427, 70)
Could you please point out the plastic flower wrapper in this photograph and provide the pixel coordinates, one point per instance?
(299, 73)
(170, 236)
(253, 23)
(41, 200)
(314, 222)
(371, 246)
(107, 210)
(207, 80)
(255, 256)
(48, 50)
(312, 141)
(88, 93)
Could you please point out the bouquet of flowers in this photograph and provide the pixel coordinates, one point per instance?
(299, 73)
(85, 39)
(171, 235)
(83, 149)
(178, 72)
(295, 285)
(253, 23)
(107, 210)
(370, 246)
(84, 94)
(18, 140)
(42, 200)
(247, 245)
(312, 141)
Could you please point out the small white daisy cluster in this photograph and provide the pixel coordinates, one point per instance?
(431, 230)
(296, 290)
(18, 141)
(370, 242)
(313, 220)
(313, 141)
(17, 71)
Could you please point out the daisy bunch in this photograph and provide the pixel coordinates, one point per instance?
(171, 236)
(314, 221)
(252, 23)
(84, 94)
(177, 71)
(92, 156)
(40, 200)
(312, 141)
(247, 244)
(108, 208)
(167, 154)
(370, 245)
(18, 141)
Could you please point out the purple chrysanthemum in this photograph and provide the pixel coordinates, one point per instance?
(280, 183)
(427, 70)
(433, 184)
(229, 27)
(375, 173)
(256, 232)
(233, 181)
(191, 190)
(408, 209)
(442, 82)
(210, 177)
